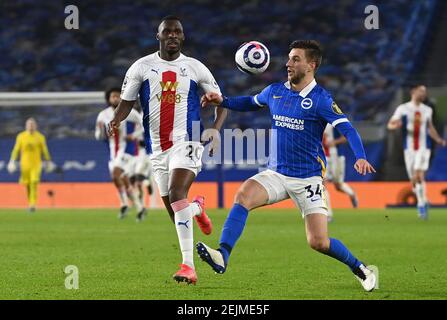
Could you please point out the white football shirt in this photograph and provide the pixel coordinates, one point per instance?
(118, 144)
(415, 125)
(168, 92)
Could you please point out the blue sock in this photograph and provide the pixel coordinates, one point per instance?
(232, 229)
(338, 251)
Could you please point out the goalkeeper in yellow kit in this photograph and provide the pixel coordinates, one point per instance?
(31, 145)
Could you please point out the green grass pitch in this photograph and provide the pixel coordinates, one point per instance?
(125, 260)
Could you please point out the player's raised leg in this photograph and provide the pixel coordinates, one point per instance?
(317, 237)
(250, 195)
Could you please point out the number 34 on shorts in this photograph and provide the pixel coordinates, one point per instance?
(314, 196)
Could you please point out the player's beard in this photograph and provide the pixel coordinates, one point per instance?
(297, 77)
(172, 52)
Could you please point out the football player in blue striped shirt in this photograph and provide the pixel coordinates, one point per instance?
(300, 110)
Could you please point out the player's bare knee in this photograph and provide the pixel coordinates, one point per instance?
(243, 199)
(176, 194)
(319, 244)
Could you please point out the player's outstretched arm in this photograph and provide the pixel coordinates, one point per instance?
(121, 113)
(362, 166)
(395, 121)
(435, 135)
(241, 104)
(394, 124)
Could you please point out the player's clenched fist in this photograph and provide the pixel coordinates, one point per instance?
(363, 167)
(211, 98)
(112, 126)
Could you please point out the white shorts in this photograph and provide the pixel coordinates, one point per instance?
(307, 194)
(416, 160)
(139, 166)
(185, 155)
(121, 161)
(335, 170)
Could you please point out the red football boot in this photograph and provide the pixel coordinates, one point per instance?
(203, 220)
(186, 274)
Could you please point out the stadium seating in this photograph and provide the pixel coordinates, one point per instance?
(361, 68)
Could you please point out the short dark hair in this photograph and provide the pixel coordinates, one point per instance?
(312, 49)
(415, 86)
(108, 93)
(170, 17)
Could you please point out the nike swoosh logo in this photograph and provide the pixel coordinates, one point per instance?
(156, 71)
(277, 97)
(313, 200)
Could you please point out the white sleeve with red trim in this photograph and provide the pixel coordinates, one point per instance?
(132, 82)
(206, 79)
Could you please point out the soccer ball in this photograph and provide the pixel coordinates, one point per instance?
(252, 57)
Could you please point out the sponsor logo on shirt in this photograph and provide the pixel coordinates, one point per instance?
(169, 85)
(288, 122)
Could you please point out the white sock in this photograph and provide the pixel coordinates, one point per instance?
(184, 224)
(136, 199)
(196, 210)
(124, 200)
(419, 190)
(347, 189)
(330, 213)
(424, 192)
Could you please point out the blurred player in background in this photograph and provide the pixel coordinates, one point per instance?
(123, 146)
(167, 83)
(415, 119)
(335, 170)
(139, 169)
(32, 146)
(300, 111)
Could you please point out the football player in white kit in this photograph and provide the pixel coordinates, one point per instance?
(167, 83)
(122, 146)
(415, 119)
(139, 171)
(335, 169)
